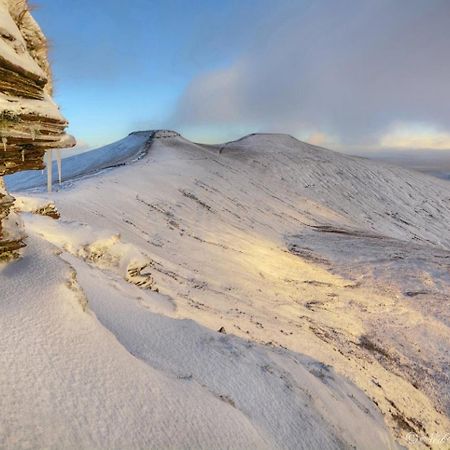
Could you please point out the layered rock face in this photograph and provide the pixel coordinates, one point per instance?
(30, 122)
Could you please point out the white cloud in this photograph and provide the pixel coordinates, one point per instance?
(415, 136)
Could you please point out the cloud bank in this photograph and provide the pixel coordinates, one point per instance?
(342, 73)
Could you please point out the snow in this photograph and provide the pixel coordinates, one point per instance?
(68, 383)
(42, 108)
(154, 382)
(315, 264)
(87, 163)
(13, 46)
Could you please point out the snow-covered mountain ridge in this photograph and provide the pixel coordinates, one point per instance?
(298, 251)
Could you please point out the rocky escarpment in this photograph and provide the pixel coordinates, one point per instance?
(30, 122)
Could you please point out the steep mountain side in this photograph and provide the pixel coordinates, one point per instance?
(30, 122)
(280, 243)
(132, 148)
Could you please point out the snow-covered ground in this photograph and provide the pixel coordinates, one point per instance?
(128, 149)
(329, 275)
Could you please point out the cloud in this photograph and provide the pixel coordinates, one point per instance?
(321, 139)
(344, 69)
(415, 136)
(212, 98)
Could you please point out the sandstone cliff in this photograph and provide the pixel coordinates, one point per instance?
(30, 122)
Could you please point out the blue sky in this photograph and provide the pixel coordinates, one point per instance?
(348, 74)
(118, 68)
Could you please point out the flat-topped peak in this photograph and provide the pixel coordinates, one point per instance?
(264, 137)
(156, 134)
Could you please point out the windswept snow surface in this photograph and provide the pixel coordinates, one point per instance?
(329, 274)
(155, 381)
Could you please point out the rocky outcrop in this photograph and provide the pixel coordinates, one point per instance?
(11, 238)
(30, 122)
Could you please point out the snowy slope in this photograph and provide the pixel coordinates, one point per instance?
(156, 382)
(295, 250)
(130, 148)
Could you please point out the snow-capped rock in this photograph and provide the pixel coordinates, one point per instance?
(30, 122)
